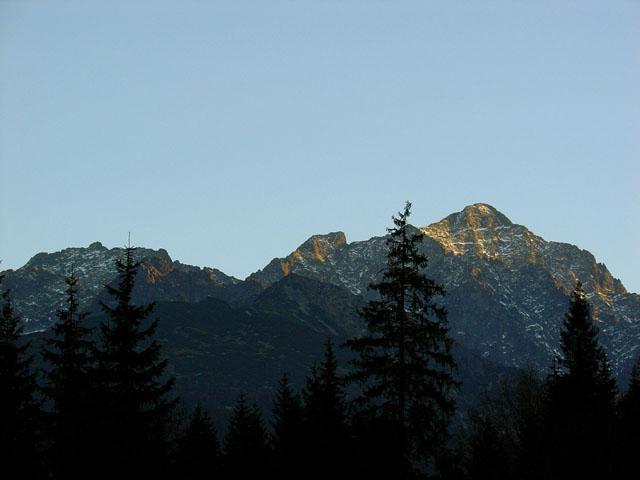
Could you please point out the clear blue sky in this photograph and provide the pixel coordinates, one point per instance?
(228, 133)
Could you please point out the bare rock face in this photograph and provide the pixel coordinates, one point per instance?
(507, 288)
(38, 287)
(318, 249)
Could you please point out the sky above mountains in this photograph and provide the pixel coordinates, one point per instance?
(229, 132)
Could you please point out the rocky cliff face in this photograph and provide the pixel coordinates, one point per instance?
(507, 287)
(38, 287)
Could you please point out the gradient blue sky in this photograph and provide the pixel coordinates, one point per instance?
(228, 133)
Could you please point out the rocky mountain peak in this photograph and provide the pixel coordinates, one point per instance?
(97, 246)
(480, 232)
(476, 216)
(482, 215)
(316, 250)
(476, 229)
(507, 288)
(39, 287)
(319, 247)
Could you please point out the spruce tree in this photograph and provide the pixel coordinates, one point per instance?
(19, 412)
(133, 388)
(404, 363)
(246, 447)
(288, 434)
(68, 386)
(325, 423)
(581, 398)
(198, 448)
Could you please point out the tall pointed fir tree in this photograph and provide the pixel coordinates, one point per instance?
(581, 399)
(325, 422)
(246, 445)
(133, 385)
(68, 386)
(288, 434)
(19, 411)
(404, 363)
(198, 448)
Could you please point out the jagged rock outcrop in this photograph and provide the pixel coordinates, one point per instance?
(507, 287)
(317, 250)
(38, 287)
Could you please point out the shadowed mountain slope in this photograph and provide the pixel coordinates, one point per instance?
(507, 288)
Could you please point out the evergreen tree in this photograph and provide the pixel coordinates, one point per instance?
(288, 434)
(581, 398)
(18, 409)
(246, 447)
(198, 448)
(628, 426)
(68, 384)
(133, 390)
(404, 363)
(325, 422)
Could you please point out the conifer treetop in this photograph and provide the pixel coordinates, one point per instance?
(404, 363)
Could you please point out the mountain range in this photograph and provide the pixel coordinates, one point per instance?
(507, 293)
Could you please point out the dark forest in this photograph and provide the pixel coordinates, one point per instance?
(103, 402)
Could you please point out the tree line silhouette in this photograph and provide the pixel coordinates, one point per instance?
(105, 409)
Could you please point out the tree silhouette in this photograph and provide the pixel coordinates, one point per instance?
(288, 434)
(68, 385)
(325, 422)
(404, 363)
(246, 447)
(18, 409)
(198, 448)
(581, 398)
(133, 390)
